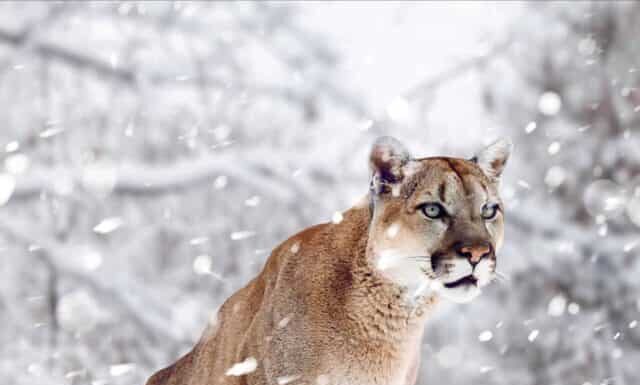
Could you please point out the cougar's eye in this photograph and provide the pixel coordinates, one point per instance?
(433, 210)
(489, 211)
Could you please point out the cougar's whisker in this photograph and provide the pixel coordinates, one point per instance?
(429, 273)
(502, 276)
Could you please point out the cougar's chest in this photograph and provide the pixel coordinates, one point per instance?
(378, 364)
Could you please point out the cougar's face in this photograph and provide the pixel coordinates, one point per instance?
(438, 222)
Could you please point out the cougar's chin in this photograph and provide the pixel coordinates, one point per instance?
(462, 291)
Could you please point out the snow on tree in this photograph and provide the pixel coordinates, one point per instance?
(568, 94)
(146, 147)
(155, 152)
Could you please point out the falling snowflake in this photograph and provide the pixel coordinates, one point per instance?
(284, 322)
(557, 306)
(7, 187)
(202, 264)
(121, 369)
(75, 373)
(485, 336)
(252, 201)
(553, 148)
(284, 380)
(12, 146)
(108, 225)
(241, 368)
(198, 240)
(16, 164)
(549, 103)
(50, 132)
(486, 369)
(555, 177)
(392, 230)
(239, 235)
(633, 208)
(220, 182)
(530, 127)
(604, 198)
(573, 308)
(587, 46)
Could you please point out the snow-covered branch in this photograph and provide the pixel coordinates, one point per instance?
(146, 179)
(67, 56)
(433, 82)
(152, 321)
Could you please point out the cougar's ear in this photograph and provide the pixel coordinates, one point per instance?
(493, 158)
(387, 158)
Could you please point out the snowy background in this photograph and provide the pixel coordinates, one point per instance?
(154, 153)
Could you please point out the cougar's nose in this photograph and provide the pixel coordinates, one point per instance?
(474, 252)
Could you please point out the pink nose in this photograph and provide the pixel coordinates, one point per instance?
(475, 252)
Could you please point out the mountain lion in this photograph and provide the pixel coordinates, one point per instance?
(345, 303)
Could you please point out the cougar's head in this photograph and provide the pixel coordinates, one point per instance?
(437, 222)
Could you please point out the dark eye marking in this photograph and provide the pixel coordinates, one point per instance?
(453, 168)
(484, 187)
(442, 191)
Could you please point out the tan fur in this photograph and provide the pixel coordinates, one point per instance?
(322, 311)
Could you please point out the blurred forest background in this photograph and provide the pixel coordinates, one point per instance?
(153, 153)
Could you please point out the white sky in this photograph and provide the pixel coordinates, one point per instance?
(390, 47)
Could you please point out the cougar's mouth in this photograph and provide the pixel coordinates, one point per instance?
(469, 280)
